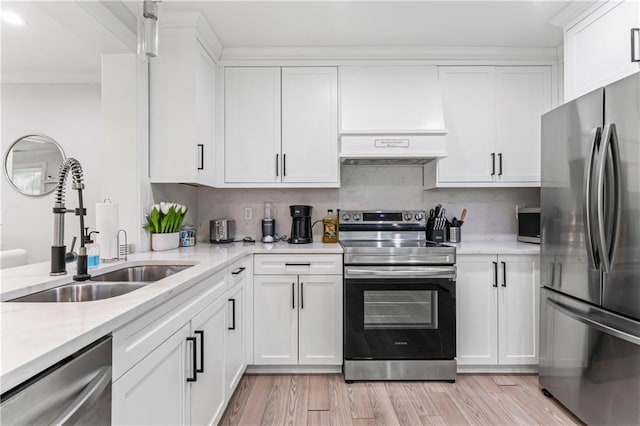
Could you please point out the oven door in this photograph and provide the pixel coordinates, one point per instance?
(396, 312)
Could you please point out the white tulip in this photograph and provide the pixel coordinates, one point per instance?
(183, 209)
(155, 207)
(164, 207)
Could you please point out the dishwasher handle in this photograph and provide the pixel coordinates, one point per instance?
(89, 395)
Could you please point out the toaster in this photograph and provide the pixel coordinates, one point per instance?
(221, 231)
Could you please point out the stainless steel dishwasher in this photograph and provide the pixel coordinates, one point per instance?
(75, 391)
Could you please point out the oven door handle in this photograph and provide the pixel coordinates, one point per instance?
(439, 272)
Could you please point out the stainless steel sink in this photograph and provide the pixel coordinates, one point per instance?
(105, 286)
(81, 292)
(145, 273)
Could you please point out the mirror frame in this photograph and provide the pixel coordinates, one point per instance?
(6, 159)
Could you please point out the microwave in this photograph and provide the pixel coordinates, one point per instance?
(529, 225)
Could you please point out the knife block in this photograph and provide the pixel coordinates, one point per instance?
(437, 235)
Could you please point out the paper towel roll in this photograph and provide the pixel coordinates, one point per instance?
(107, 224)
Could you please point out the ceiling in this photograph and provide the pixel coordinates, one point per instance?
(379, 23)
(60, 42)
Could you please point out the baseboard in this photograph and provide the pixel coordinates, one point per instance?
(498, 369)
(293, 369)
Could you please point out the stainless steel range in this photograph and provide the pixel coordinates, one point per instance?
(399, 298)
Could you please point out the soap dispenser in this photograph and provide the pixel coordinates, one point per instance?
(93, 249)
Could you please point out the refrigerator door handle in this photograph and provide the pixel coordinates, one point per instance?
(596, 135)
(601, 326)
(609, 144)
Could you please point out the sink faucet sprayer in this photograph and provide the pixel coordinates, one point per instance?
(58, 249)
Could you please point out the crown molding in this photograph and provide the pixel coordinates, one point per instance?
(573, 12)
(189, 20)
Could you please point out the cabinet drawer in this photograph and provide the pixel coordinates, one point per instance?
(137, 339)
(294, 264)
(239, 270)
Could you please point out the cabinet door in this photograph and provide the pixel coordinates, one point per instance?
(275, 304)
(310, 124)
(476, 310)
(320, 319)
(252, 125)
(598, 48)
(205, 95)
(208, 391)
(234, 340)
(468, 102)
(523, 94)
(154, 391)
(518, 309)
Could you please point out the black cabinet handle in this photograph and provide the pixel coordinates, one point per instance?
(495, 274)
(301, 295)
(284, 164)
(504, 274)
(194, 369)
(635, 44)
(201, 148)
(500, 163)
(277, 164)
(238, 271)
(298, 264)
(201, 334)
(293, 295)
(493, 163)
(233, 314)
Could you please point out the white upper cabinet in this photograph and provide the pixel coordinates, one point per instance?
(493, 117)
(310, 124)
(276, 119)
(182, 108)
(601, 48)
(252, 125)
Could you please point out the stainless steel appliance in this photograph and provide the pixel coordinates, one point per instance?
(590, 264)
(76, 391)
(300, 225)
(268, 230)
(399, 298)
(222, 230)
(529, 225)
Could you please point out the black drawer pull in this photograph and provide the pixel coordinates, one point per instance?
(233, 314)
(194, 360)
(495, 274)
(504, 274)
(201, 334)
(301, 295)
(238, 271)
(500, 163)
(201, 149)
(493, 163)
(293, 295)
(297, 264)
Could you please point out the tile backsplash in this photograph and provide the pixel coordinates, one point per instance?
(491, 211)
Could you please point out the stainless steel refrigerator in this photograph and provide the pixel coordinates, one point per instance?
(590, 254)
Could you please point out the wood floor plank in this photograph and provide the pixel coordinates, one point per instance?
(432, 421)
(318, 393)
(420, 399)
(296, 413)
(276, 405)
(238, 401)
(381, 403)
(472, 407)
(365, 422)
(435, 386)
(472, 387)
(510, 405)
(504, 380)
(318, 418)
(340, 412)
(404, 409)
(254, 410)
(448, 410)
(487, 383)
(529, 394)
(359, 402)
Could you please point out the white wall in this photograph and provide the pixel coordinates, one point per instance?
(491, 212)
(70, 114)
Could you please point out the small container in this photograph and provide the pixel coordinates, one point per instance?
(93, 250)
(455, 235)
(187, 236)
(330, 225)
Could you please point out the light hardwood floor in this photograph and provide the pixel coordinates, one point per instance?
(327, 400)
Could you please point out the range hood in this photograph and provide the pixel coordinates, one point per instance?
(391, 115)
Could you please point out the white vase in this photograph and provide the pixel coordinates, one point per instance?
(161, 242)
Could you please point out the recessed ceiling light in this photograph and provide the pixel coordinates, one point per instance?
(11, 18)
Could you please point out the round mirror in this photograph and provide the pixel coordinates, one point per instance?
(31, 164)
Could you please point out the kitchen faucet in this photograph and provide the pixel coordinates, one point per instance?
(58, 249)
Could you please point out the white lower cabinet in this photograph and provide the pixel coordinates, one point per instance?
(297, 317)
(497, 309)
(235, 335)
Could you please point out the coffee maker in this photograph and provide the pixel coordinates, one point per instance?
(300, 225)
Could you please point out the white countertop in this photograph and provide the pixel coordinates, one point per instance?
(35, 336)
(495, 247)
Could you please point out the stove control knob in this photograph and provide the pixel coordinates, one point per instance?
(419, 216)
(407, 216)
(346, 217)
(356, 216)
